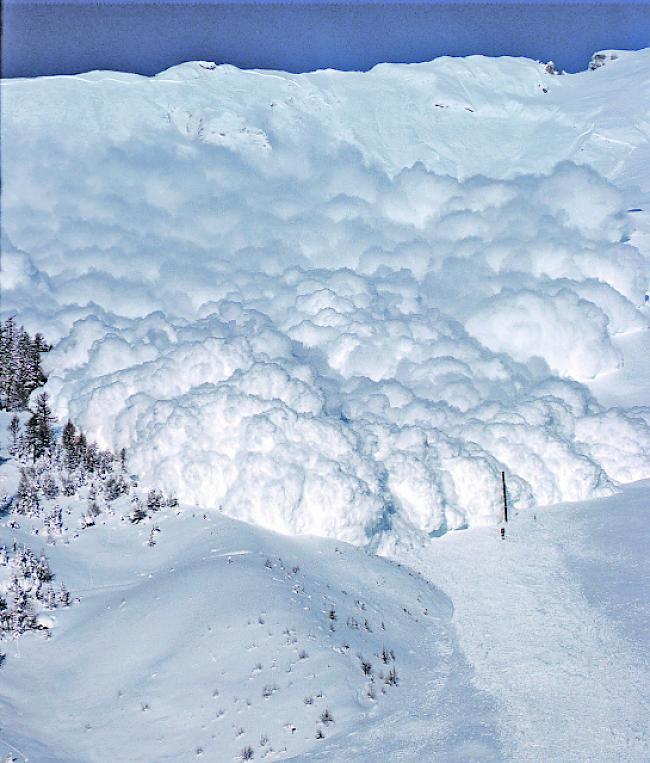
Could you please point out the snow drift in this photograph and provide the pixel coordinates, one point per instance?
(221, 638)
(286, 300)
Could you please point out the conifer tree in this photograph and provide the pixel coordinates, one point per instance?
(155, 500)
(69, 486)
(54, 521)
(27, 502)
(138, 512)
(64, 596)
(91, 458)
(40, 436)
(48, 485)
(50, 598)
(43, 571)
(40, 345)
(115, 486)
(22, 613)
(81, 446)
(7, 363)
(69, 443)
(14, 431)
(27, 371)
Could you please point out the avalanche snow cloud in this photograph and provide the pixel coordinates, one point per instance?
(337, 303)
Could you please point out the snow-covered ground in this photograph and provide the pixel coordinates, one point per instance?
(221, 636)
(555, 624)
(340, 305)
(531, 648)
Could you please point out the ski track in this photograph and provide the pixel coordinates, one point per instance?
(568, 685)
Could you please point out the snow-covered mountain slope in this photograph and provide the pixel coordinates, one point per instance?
(263, 285)
(339, 305)
(555, 622)
(218, 637)
(497, 117)
(560, 631)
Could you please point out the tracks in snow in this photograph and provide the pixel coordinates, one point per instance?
(567, 685)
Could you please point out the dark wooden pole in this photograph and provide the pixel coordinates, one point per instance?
(505, 497)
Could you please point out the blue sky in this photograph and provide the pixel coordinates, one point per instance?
(54, 37)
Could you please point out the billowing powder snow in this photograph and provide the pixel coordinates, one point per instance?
(266, 287)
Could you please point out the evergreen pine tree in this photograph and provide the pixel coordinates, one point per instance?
(27, 371)
(54, 521)
(48, 485)
(14, 430)
(91, 458)
(40, 437)
(138, 512)
(69, 442)
(64, 596)
(22, 613)
(69, 486)
(43, 571)
(81, 447)
(115, 486)
(7, 362)
(155, 500)
(50, 598)
(27, 365)
(27, 502)
(40, 345)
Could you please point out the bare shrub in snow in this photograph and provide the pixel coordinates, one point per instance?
(326, 717)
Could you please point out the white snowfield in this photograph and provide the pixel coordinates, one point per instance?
(555, 622)
(220, 637)
(339, 305)
(371, 292)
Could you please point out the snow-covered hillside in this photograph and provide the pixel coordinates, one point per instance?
(266, 286)
(209, 636)
(555, 622)
(195, 637)
(337, 305)
(497, 117)
(226, 626)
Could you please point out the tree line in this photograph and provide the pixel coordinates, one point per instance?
(55, 464)
(20, 365)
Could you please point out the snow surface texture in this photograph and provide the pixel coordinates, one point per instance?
(556, 627)
(219, 637)
(302, 300)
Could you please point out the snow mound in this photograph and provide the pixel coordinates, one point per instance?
(266, 287)
(601, 57)
(219, 638)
